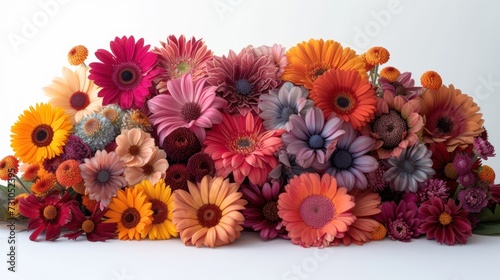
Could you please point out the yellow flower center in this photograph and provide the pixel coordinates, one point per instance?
(49, 212)
(379, 232)
(450, 171)
(88, 226)
(445, 218)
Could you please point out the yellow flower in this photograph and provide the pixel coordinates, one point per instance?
(40, 133)
(132, 213)
(160, 196)
(77, 55)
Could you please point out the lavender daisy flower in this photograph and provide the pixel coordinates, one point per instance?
(287, 167)
(349, 160)
(404, 86)
(410, 169)
(261, 212)
(473, 199)
(311, 136)
(278, 105)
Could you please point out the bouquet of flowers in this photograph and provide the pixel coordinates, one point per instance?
(316, 144)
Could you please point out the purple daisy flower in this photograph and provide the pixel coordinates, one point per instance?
(242, 78)
(261, 212)
(278, 105)
(400, 220)
(410, 169)
(404, 86)
(349, 161)
(287, 167)
(484, 148)
(311, 136)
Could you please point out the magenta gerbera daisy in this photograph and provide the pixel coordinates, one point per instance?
(242, 78)
(241, 145)
(179, 56)
(189, 103)
(125, 74)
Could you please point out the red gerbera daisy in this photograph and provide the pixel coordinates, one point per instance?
(126, 74)
(94, 227)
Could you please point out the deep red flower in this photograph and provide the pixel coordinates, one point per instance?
(94, 227)
(50, 213)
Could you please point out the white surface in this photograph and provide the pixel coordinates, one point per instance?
(458, 39)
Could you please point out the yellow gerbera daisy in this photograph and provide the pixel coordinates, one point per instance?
(309, 60)
(160, 196)
(132, 213)
(75, 93)
(40, 133)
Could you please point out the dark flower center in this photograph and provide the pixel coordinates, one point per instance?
(316, 141)
(160, 211)
(400, 89)
(190, 111)
(243, 144)
(42, 135)
(399, 229)
(391, 128)
(444, 125)
(134, 150)
(319, 71)
(243, 86)
(127, 76)
(79, 100)
(147, 169)
(49, 212)
(177, 176)
(316, 211)
(341, 159)
(270, 211)
(287, 112)
(130, 218)
(103, 176)
(408, 167)
(343, 102)
(209, 215)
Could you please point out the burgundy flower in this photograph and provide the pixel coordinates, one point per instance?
(473, 199)
(399, 220)
(434, 188)
(484, 148)
(94, 227)
(50, 213)
(445, 222)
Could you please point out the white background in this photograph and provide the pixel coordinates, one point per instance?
(458, 39)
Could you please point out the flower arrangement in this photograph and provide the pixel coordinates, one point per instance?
(316, 144)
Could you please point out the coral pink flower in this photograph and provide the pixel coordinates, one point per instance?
(153, 170)
(135, 147)
(241, 145)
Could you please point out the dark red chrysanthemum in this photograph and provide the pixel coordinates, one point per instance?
(201, 164)
(400, 220)
(180, 145)
(177, 176)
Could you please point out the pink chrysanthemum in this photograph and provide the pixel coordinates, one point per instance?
(191, 104)
(315, 210)
(242, 78)
(400, 220)
(103, 176)
(403, 86)
(179, 56)
(277, 54)
(125, 74)
(484, 148)
(445, 222)
(241, 145)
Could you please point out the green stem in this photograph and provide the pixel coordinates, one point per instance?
(23, 186)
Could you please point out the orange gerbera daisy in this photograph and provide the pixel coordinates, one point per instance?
(451, 117)
(132, 213)
(44, 185)
(209, 214)
(309, 60)
(314, 210)
(9, 166)
(345, 94)
(367, 204)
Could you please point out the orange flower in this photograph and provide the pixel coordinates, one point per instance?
(9, 166)
(314, 210)
(379, 232)
(68, 173)
(88, 203)
(347, 95)
(309, 60)
(377, 55)
(30, 171)
(431, 80)
(44, 185)
(14, 205)
(390, 73)
(77, 55)
(486, 173)
(450, 117)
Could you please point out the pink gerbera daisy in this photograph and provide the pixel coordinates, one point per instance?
(241, 145)
(103, 176)
(242, 78)
(315, 210)
(189, 104)
(180, 56)
(135, 147)
(126, 74)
